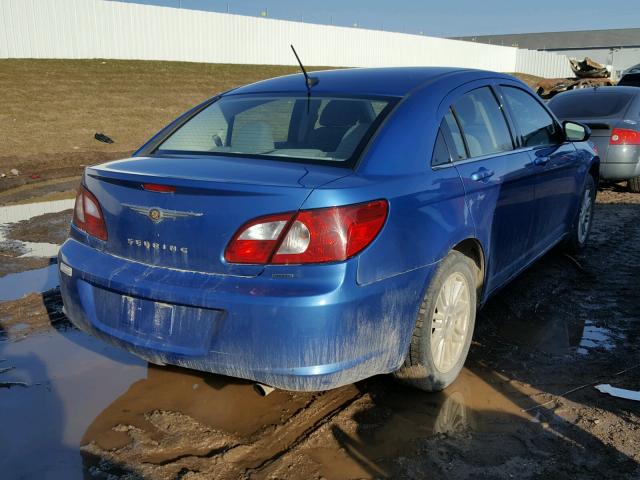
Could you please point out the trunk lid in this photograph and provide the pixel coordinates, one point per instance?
(600, 135)
(190, 228)
(601, 129)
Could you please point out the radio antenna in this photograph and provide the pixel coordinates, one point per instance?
(309, 81)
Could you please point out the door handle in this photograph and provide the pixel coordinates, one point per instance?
(541, 161)
(481, 174)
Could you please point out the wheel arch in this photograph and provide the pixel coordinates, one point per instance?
(594, 171)
(472, 248)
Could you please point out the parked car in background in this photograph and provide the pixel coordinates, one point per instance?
(308, 233)
(613, 114)
(630, 77)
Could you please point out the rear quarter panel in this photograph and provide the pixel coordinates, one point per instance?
(427, 216)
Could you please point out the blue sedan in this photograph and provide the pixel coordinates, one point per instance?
(309, 233)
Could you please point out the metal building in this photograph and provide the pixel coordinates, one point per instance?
(619, 49)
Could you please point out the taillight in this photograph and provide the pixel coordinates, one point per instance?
(255, 241)
(623, 136)
(87, 214)
(310, 236)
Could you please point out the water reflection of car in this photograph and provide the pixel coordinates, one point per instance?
(613, 114)
(308, 233)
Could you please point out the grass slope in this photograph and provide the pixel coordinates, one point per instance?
(51, 106)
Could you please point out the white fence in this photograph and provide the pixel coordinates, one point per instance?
(102, 29)
(543, 64)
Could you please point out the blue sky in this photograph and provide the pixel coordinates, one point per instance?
(438, 18)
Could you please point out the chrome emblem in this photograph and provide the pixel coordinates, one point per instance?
(154, 214)
(158, 214)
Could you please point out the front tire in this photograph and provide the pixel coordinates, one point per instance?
(444, 327)
(579, 233)
(634, 184)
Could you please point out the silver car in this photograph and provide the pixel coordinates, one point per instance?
(613, 114)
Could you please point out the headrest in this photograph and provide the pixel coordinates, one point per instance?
(342, 113)
(467, 110)
(254, 137)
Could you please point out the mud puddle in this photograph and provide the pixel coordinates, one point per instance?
(17, 285)
(30, 234)
(19, 213)
(594, 337)
(57, 383)
(67, 393)
(389, 423)
(557, 334)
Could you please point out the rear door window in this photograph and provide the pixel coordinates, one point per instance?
(453, 136)
(440, 152)
(483, 124)
(536, 126)
(595, 104)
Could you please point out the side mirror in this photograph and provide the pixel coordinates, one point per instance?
(576, 132)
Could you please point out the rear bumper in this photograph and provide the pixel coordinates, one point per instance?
(619, 171)
(621, 163)
(316, 331)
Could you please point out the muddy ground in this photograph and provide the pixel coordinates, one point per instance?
(524, 407)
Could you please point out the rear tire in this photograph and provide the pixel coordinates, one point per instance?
(444, 327)
(579, 233)
(634, 184)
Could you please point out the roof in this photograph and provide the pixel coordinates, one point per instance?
(583, 39)
(396, 82)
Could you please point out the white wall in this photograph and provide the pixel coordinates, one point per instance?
(101, 29)
(543, 64)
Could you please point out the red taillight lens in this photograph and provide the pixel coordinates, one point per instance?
(331, 234)
(87, 214)
(255, 241)
(623, 136)
(156, 187)
(310, 236)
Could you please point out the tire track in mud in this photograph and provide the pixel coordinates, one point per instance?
(311, 419)
(218, 454)
(270, 444)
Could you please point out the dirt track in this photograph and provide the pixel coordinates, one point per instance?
(565, 325)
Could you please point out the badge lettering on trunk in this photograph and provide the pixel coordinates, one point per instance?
(156, 246)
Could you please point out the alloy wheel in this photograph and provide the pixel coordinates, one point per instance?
(450, 323)
(584, 217)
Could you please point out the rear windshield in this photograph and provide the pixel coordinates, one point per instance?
(598, 104)
(288, 127)
(631, 79)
